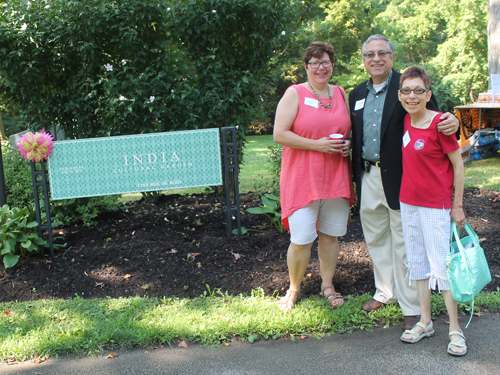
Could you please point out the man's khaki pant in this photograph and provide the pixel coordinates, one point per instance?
(383, 233)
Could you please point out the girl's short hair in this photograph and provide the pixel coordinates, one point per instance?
(416, 72)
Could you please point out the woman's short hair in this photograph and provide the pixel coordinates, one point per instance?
(317, 49)
(416, 72)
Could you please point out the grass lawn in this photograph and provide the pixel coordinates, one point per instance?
(254, 174)
(484, 173)
(87, 327)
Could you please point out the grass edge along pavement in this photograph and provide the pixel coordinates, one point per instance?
(86, 327)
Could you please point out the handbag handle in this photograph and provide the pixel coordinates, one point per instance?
(455, 232)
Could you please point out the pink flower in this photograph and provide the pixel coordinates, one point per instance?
(36, 147)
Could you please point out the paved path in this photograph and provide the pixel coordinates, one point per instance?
(377, 352)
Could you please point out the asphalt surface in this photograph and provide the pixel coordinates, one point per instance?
(360, 352)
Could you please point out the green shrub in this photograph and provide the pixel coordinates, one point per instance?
(18, 234)
(96, 68)
(271, 208)
(103, 68)
(12, 124)
(83, 210)
(18, 180)
(274, 165)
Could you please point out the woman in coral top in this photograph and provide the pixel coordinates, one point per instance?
(315, 185)
(431, 163)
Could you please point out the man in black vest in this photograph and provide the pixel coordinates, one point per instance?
(377, 130)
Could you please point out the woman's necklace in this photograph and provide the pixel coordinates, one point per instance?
(320, 102)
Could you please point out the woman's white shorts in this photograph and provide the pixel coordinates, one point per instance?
(328, 216)
(427, 240)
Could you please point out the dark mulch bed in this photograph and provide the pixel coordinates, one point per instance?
(179, 246)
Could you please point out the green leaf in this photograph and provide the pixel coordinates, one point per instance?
(269, 209)
(253, 338)
(32, 224)
(39, 241)
(255, 210)
(11, 245)
(272, 197)
(268, 202)
(10, 260)
(243, 231)
(26, 244)
(5, 250)
(9, 223)
(32, 248)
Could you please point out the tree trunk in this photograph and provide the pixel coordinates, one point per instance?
(494, 37)
(3, 198)
(2, 130)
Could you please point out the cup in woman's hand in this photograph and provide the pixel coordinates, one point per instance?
(337, 137)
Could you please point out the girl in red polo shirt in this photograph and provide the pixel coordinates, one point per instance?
(431, 163)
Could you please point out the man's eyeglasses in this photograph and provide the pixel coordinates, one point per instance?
(381, 54)
(417, 91)
(316, 64)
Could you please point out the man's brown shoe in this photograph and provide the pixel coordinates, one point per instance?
(372, 305)
(410, 321)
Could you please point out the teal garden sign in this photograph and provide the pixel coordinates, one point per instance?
(135, 163)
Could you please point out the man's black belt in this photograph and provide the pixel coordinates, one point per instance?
(369, 163)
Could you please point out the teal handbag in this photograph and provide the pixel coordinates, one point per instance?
(467, 269)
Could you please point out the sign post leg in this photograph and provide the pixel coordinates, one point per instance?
(231, 182)
(40, 180)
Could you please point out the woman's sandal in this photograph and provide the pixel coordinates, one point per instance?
(334, 299)
(289, 300)
(457, 344)
(417, 336)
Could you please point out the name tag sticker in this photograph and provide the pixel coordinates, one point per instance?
(311, 102)
(406, 139)
(359, 104)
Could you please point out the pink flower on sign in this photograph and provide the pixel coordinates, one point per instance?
(36, 147)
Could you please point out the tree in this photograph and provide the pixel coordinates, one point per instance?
(345, 24)
(448, 37)
(101, 68)
(462, 58)
(95, 68)
(414, 28)
(494, 37)
(226, 47)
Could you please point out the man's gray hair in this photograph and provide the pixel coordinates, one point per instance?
(377, 37)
